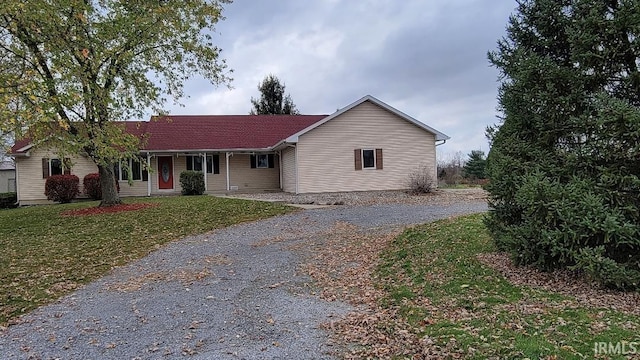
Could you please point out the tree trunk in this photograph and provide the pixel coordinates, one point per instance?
(110, 195)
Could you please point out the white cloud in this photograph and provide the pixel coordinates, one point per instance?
(426, 58)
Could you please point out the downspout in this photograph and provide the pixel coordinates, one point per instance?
(149, 178)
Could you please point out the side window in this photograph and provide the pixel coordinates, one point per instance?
(138, 172)
(262, 161)
(368, 159)
(55, 167)
(213, 164)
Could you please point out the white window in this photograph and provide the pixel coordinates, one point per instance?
(368, 159)
(262, 161)
(54, 167)
(195, 163)
(138, 172)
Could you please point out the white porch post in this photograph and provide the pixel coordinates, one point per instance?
(227, 168)
(204, 167)
(149, 178)
(280, 165)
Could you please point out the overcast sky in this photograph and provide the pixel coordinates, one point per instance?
(427, 58)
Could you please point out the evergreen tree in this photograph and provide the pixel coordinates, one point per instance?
(272, 98)
(474, 168)
(565, 161)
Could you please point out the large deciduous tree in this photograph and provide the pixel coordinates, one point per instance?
(565, 161)
(71, 70)
(272, 98)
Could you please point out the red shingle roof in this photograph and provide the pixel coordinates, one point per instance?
(195, 132)
(214, 132)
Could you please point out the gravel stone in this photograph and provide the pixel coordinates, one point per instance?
(235, 293)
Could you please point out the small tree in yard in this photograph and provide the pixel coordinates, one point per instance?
(72, 70)
(564, 163)
(475, 166)
(420, 181)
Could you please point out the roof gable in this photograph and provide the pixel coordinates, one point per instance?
(438, 135)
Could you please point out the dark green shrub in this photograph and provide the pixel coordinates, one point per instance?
(92, 187)
(192, 182)
(62, 188)
(8, 200)
(564, 164)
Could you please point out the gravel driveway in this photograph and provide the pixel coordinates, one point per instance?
(235, 293)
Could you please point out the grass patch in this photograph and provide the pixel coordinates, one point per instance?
(46, 255)
(473, 312)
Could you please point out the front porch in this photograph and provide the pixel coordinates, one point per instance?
(224, 172)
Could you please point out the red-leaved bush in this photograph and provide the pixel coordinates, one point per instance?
(62, 188)
(92, 187)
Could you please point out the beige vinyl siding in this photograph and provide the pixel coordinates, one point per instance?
(137, 188)
(30, 182)
(289, 170)
(7, 177)
(245, 178)
(326, 154)
(218, 182)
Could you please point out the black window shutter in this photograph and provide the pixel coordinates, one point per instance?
(145, 172)
(272, 163)
(189, 163)
(253, 161)
(45, 168)
(216, 164)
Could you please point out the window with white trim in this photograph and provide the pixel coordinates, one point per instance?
(368, 159)
(195, 163)
(138, 171)
(262, 161)
(55, 167)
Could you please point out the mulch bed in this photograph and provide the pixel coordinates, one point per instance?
(108, 209)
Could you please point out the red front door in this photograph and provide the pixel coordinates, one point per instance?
(165, 172)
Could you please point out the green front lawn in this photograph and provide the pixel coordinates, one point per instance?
(46, 255)
(447, 297)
